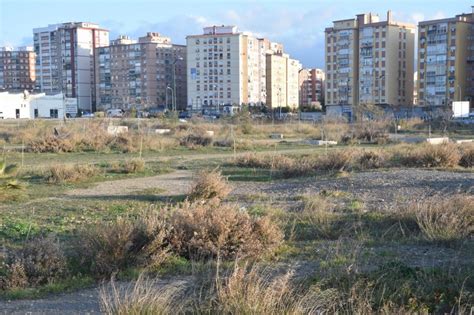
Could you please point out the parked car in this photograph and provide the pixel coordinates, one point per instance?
(87, 114)
(115, 112)
(184, 115)
(157, 111)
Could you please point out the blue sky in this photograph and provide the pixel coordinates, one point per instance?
(298, 24)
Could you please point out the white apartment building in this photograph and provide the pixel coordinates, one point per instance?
(65, 60)
(369, 61)
(227, 67)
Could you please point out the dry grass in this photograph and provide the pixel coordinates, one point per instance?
(319, 215)
(340, 160)
(372, 159)
(209, 185)
(445, 218)
(144, 296)
(210, 230)
(132, 166)
(61, 173)
(467, 155)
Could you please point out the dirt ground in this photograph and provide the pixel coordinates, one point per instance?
(375, 189)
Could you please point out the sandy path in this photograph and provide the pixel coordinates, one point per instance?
(173, 184)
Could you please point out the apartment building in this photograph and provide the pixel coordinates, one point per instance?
(228, 67)
(17, 69)
(369, 61)
(141, 74)
(311, 86)
(65, 60)
(446, 61)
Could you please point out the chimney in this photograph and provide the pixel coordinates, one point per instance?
(389, 16)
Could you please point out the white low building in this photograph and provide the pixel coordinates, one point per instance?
(29, 106)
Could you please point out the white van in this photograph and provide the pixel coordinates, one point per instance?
(115, 113)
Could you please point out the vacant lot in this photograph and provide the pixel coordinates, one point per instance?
(234, 222)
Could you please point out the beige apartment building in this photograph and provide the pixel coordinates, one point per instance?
(141, 74)
(446, 61)
(17, 69)
(369, 61)
(228, 67)
(311, 86)
(65, 60)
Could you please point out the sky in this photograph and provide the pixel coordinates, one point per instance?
(297, 24)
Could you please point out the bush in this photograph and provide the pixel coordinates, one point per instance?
(371, 159)
(51, 144)
(61, 173)
(214, 230)
(40, 261)
(123, 143)
(209, 185)
(252, 160)
(193, 140)
(445, 155)
(134, 165)
(43, 260)
(467, 156)
(339, 160)
(109, 247)
(445, 218)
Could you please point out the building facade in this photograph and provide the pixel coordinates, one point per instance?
(24, 105)
(17, 69)
(228, 67)
(141, 74)
(311, 86)
(65, 60)
(369, 62)
(446, 61)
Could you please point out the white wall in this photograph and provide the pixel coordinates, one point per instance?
(26, 105)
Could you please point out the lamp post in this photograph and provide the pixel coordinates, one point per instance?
(178, 58)
(172, 96)
(460, 92)
(279, 102)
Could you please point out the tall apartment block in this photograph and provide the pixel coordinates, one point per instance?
(282, 81)
(228, 67)
(65, 60)
(446, 61)
(369, 61)
(311, 84)
(17, 69)
(141, 74)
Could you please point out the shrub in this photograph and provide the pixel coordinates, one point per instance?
(61, 173)
(195, 139)
(43, 260)
(371, 159)
(109, 247)
(134, 165)
(123, 143)
(252, 160)
(40, 261)
(339, 160)
(467, 156)
(209, 185)
(215, 230)
(15, 277)
(51, 144)
(446, 155)
(445, 218)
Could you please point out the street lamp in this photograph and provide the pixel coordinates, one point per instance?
(172, 96)
(460, 92)
(178, 58)
(279, 101)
